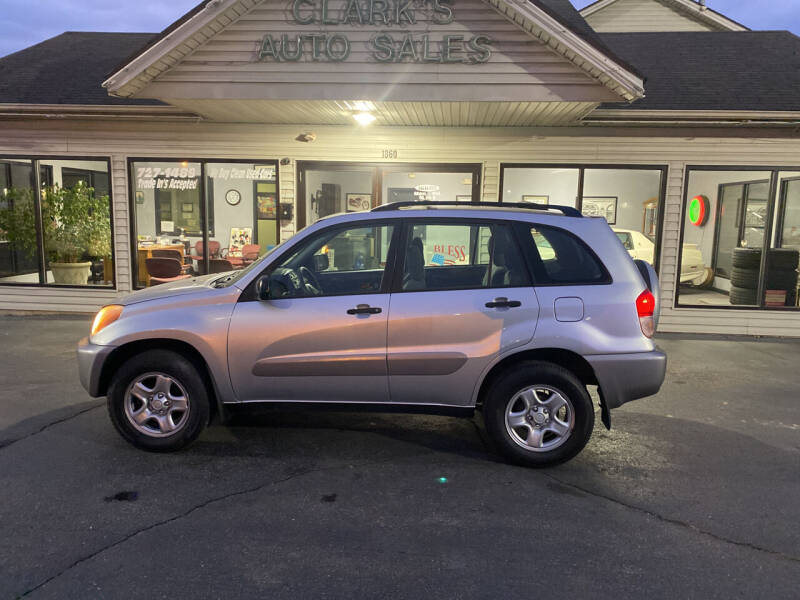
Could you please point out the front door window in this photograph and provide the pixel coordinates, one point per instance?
(335, 263)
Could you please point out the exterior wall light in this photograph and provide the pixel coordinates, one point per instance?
(364, 118)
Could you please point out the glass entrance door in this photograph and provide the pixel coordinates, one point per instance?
(741, 221)
(326, 188)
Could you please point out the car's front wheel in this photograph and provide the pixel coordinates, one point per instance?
(158, 401)
(538, 414)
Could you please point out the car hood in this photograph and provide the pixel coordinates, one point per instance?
(176, 288)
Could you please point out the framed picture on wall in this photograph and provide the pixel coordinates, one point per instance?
(240, 237)
(601, 206)
(536, 199)
(356, 202)
(265, 206)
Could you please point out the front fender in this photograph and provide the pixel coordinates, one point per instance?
(200, 320)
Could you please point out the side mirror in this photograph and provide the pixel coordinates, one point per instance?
(321, 262)
(262, 288)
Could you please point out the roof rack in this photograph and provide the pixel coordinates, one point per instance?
(567, 211)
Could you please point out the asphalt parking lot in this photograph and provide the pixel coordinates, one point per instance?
(693, 494)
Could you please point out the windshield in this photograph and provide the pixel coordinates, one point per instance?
(625, 238)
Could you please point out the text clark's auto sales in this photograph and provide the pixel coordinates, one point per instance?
(215, 140)
(383, 46)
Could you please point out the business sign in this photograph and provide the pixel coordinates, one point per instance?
(323, 44)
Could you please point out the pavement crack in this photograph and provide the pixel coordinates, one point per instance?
(46, 426)
(678, 522)
(193, 509)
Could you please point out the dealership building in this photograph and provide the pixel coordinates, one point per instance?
(246, 120)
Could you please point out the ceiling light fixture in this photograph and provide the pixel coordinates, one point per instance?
(364, 118)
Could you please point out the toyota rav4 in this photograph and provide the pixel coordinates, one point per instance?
(513, 310)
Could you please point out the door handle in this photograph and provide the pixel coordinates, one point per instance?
(503, 303)
(364, 309)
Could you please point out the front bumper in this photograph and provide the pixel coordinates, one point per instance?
(90, 365)
(626, 377)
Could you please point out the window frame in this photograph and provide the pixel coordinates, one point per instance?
(772, 201)
(204, 202)
(408, 224)
(583, 167)
(41, 258)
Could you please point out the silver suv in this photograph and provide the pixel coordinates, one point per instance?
(510, 309)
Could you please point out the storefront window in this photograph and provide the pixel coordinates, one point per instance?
(62, 234)
(245, 208)
(541, 185)
(194, 218)
(628, 198)
(729, 222)
(18, 245)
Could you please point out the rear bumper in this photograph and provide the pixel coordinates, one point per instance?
(626, 377)
(90, 365)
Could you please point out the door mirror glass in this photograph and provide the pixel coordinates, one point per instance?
(262, 288)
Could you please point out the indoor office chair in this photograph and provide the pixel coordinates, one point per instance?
(249, 255)
(176, 254)
(164, 270)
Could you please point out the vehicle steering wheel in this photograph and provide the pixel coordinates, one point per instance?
(310, 281)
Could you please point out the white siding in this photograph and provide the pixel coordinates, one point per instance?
(488, 146)
(644, 15)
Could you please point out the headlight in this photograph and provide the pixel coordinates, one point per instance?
(106, 316)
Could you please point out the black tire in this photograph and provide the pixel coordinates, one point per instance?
(783, 258)
(181, 370)
(741, 296)
(781, 279)
(747, 258)
(744, 278)
(535, 373)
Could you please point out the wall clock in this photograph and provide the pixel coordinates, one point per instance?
(233, 197)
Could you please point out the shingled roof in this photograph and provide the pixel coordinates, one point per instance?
(716, 70)
(68, 69)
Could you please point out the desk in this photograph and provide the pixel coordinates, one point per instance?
(146, 252)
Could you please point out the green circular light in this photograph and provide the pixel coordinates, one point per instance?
(698, 210)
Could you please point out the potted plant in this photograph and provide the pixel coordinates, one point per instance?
(75, 226)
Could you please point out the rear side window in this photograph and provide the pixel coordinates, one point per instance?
(563, 259)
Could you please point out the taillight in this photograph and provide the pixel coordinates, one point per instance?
(646, 308)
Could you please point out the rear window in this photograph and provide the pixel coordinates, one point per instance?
(626, 239)
(563, 259)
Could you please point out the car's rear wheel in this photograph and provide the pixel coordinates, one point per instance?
(158, 401)
(538, 414)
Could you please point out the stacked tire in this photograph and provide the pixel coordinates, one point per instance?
(781, 274)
